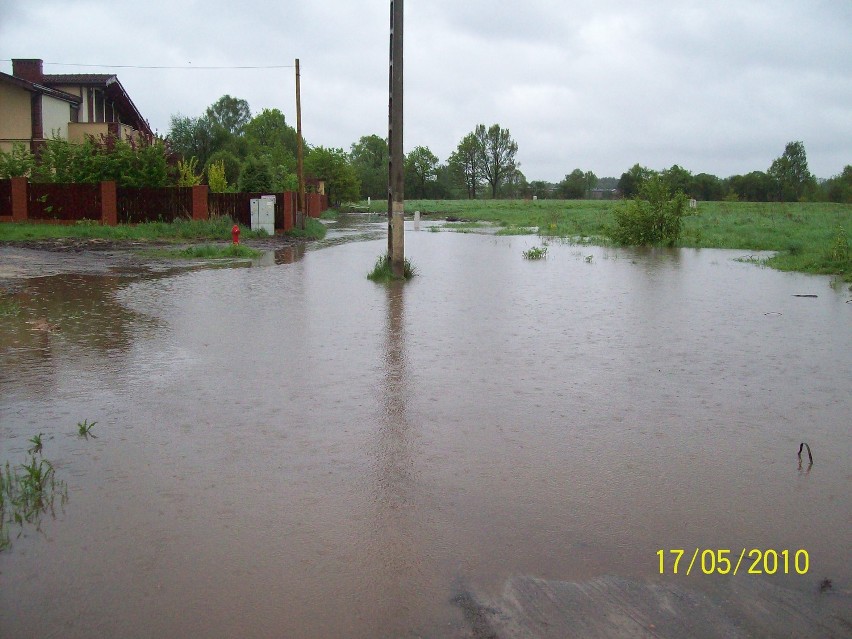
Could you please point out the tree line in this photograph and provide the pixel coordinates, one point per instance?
(230, 148)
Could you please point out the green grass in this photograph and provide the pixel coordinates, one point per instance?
(383, 273)
(218, 228)
(314, 230)
(803, 235)
(213, 251)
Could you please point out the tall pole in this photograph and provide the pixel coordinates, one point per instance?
(300, 168)
(396, 175)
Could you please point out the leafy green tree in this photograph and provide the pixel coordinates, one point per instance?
(707, 187)
(230, 114)
(752, 187)
(332, 165)
(268, 134)
(792, 180)
(497, 154)
(18, 162)
(677, 179)
(573, 186)
(514, 184)
(369, 159)
(233, 165)
(190, 137)
(633, 179)
(256, 176)
(465, 165)
(541, 189)
(216, 177)
(421, 168)
(839, 187)
(653, 217)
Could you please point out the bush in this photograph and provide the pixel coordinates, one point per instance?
(653, 217)
(256, 176)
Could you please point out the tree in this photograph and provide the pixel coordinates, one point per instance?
(332, 165)
(465, 165)
(497, 154)
(839, 187)
(231, 162)
(369, 159)
(190, 137)
(653, 217)
(752, 187)
(677, 179)
(421, 168)
(573, 186)
(707, 187)
(256, 176)
(268, 134)
(541, 189)
(632, 180)
(790, 175)
(230, 114)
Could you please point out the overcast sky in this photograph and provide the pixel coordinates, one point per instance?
(715, 86)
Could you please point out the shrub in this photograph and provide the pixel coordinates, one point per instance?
(653, 217)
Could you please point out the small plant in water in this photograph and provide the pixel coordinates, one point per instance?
(26, 493)
(37, 444)
(84, 428)
(535, 253)
(382, 271)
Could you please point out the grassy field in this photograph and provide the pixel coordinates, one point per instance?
(177, 231)
(807, 237)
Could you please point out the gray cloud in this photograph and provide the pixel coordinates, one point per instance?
(713, 86)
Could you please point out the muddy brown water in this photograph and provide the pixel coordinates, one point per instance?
(293, 451)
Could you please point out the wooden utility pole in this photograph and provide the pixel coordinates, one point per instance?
(300, 168)
(396, 174)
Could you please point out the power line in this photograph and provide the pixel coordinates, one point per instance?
(189, 67)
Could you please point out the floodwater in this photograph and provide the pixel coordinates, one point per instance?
(293, 451)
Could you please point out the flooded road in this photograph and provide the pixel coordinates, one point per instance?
(293, 451)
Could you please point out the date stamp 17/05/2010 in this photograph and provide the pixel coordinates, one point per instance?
(722, 561)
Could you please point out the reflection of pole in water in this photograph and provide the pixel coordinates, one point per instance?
(397, 576)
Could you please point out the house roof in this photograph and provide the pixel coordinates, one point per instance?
(112, 88)
(39, 88)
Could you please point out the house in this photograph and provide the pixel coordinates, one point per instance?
(35, 107)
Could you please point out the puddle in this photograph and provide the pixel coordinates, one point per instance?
(296, 451)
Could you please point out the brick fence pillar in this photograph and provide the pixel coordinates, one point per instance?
(289, 208)
(20, 199)
(109, 203)
(200, 193)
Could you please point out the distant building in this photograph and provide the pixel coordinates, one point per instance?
(604, 194)
(35, 107)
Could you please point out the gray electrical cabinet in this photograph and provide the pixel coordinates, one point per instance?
(263, 214)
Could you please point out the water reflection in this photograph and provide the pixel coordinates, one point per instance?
(61, 313)
(395, 479)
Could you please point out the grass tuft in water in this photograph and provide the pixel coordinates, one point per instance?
(9, 308)
(535, 253)
(314, 230)
(27, 492)
(84, 428)
(214, 251)
(382, 271)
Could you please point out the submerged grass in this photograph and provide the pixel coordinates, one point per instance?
(27, 492)
(213, 251)
(806, 237)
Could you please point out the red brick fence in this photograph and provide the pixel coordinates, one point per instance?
(22, 201)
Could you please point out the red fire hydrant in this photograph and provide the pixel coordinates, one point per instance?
(235, 234)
